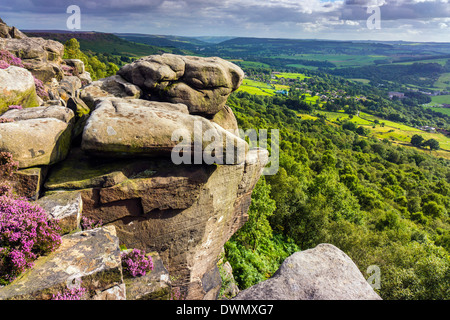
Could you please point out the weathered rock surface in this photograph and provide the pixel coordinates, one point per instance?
(10, 32)
(17, 88)
(114, 86)
(28, 182)
(79, 171)
(90, 258)
(56, 112)
(36, 142)
(155, 285)
(139, 127)
(68, 87)
(203, 84)
(185, 213)
(322, 273)
(42, 57)
(226, 119)
(77, 65)
(65, 207)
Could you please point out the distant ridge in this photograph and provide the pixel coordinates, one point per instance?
(100, 42)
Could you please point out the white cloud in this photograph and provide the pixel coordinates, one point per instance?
(280, 18)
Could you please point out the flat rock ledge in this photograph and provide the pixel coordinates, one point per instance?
(87, 258)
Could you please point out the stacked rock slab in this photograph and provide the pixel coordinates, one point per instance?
(203, 84)
(127, 178)
(122, 170)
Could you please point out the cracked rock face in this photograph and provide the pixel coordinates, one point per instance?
(203, 84)
(185, 213)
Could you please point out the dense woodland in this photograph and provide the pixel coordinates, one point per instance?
(381, 204)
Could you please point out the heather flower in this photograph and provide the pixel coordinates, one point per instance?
(40, 89)
(70, 294)
(8, 58)
(17, 107)
(175, 294)
(7, 164)
(89, 224)
(5, 188)
(25, 234)
(4, 64)
(68, 70)
(136, 263)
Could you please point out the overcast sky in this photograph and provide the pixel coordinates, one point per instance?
(408, 20)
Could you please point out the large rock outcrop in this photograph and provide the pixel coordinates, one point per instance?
(104, 153)
(17, 88)
(185, 213)
(42, 57)
(203, 84)
(10, 32)
(322, 273)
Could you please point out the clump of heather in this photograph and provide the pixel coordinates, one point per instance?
(70, 294)
(4, 64)
(17, 107)
(40, 89)
(9, 59)
(26, 233)
(175, 294)
(89, 224)
(6, 120)
(7, 164)
(68, 70)
(6, 188)
(136, 263)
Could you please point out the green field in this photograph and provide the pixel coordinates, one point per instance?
(257, 88)
(288, 75)
(439, 61)
(340, 60)
(393, 131)
(441, 110)
(436, 104)
(249, 64)
(302, 66)
(441, 99)
(443, 82)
